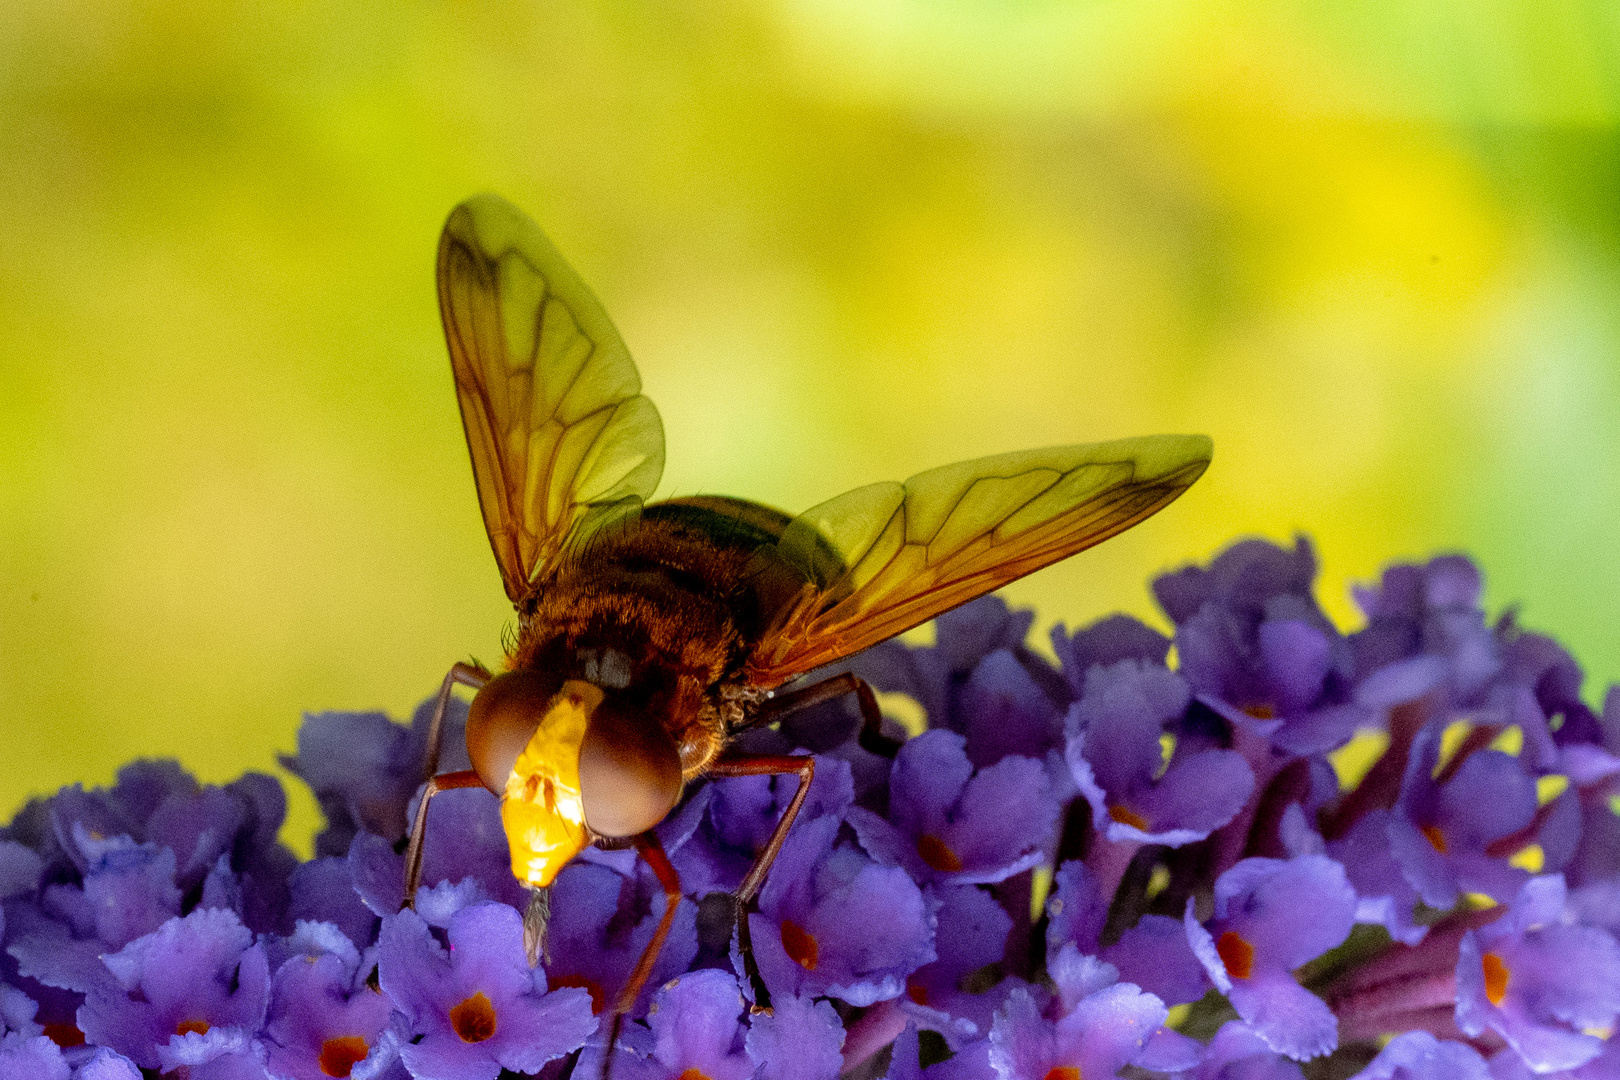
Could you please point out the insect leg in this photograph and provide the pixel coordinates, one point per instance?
(413, 851)
(472, 675)
(871, 737)
(653, 852)
(763, 765)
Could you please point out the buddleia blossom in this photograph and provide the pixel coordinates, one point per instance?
(1271, 917)
(477, 1007)
(1539, 983)
(1142, 854)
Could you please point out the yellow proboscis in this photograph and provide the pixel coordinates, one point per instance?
(542, 810)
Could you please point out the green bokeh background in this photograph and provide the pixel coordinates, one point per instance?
(1370, 247)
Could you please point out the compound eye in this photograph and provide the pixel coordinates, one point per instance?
(502, 719)
(629, 772)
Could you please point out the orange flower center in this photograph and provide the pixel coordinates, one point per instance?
(1261, 710)
(64, 1035)
(1435, 837)
(339, 1056)
(800, 946)
(1236, 954)
(1126, 816)
(1063, 1072)
(1496, 978)
(937, 855)
(473, 1019)
(191, 1027)
(694, 1073)
(598, 998)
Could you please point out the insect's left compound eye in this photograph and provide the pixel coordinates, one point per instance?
(502, 719)
(629, 771)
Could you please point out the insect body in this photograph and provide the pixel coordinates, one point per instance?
(650, 634)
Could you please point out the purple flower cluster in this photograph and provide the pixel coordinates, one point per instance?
(1111, 864)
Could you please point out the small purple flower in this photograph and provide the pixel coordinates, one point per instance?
(128, 892)
(466, 839)
(1255, 646)
(1106, 642)
(1417, 1055)
(1237, 1053)
(742, 812)
(831, 921)
(129, 889)
(31, 1058)
(192, 992)
(1155, 955)
(324, 1019)
(1075, 911)
(1539, 983)
(963, 637)
(979, 680)
(1271, 916)
(1385, 896)
(104, 1064)
(696, 1027)
(602, 921)
(1444, 827)
(1003, 710)
(948, 823)
(1104, 1026)
(970, 1062)
(478, 1008)
(1594, 776)
(1430, 610)
(1115, 753)
(971, 933)
(799, 1040)
(1508, 1065)
(363, 769)
(322, 890)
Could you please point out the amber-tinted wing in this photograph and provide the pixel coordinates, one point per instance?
(914, 550)
(550, 400)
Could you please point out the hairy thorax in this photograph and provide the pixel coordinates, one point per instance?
(660, 615)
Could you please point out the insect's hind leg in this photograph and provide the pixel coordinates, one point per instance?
(871, 737)
(473, 675)
(763, 765)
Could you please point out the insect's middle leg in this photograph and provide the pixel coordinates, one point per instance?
(871, 736)
(763, 765)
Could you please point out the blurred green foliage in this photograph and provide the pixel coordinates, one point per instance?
(1370, 247)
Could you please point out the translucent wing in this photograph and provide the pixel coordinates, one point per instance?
(551, 402)
(913, 550)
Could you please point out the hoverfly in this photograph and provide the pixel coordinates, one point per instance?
(649, 634)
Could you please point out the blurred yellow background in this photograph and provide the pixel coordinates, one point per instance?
(1370, 248)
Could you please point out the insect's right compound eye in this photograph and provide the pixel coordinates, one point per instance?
(502, 719)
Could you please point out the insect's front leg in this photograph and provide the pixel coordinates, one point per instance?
(413, 851)
(871, 736)
(467, 675)
(473, 675)
(763, 765)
